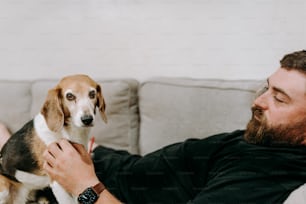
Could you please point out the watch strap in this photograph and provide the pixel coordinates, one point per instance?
(98, 188)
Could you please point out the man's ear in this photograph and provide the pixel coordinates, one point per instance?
(52, 110)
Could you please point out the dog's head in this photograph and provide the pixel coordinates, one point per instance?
(73, 101)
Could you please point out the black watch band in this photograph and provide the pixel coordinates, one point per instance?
(90, 195)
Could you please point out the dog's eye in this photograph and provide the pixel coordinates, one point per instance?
(92, 94)
(70, 97)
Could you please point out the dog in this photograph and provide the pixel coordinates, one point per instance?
(68, 112)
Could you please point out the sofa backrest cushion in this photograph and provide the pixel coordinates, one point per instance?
(173, 109)
(14, 104)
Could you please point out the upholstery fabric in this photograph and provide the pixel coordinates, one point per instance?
(174, 109)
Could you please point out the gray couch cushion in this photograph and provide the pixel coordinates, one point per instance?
(172, 110)
(15, 103)
(121, 131)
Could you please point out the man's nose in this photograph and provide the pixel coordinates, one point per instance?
(261, 101)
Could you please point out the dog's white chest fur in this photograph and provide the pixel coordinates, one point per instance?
(74, 134)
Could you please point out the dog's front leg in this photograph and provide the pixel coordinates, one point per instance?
(62, 196)
(4, 196)
(5, 187)
(22, 195)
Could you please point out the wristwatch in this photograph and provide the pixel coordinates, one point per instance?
(91, 194)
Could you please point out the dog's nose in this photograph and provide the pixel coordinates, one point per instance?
(87, 119)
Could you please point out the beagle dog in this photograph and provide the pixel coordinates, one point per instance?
(68, 112)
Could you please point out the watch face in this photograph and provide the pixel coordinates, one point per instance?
(89, 196)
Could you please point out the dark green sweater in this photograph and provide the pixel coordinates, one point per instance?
(219, 169)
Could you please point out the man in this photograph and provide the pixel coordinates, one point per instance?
(262, 164)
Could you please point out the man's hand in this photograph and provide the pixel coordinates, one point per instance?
(70, 165)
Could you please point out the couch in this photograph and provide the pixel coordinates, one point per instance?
(144, 116)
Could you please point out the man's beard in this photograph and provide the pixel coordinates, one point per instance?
(259, 132)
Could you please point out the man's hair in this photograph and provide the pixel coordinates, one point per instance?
(295, 60)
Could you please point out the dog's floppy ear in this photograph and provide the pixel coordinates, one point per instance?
(52, 110)
(101, 103)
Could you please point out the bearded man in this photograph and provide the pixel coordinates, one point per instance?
(262, 164)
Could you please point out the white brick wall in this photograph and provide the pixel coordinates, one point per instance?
(143, 38)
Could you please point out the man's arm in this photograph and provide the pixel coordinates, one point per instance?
(71, 166)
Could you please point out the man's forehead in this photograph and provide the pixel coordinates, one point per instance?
(291, 81)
